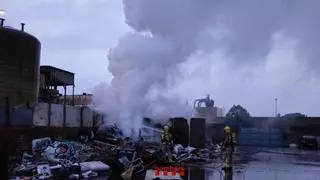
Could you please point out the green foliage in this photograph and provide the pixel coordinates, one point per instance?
(238, 113)
(293, 116)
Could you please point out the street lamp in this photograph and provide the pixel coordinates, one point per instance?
(276, 107)
(2, 12)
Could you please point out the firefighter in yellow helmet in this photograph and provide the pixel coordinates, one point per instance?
(227, 148)
(166, 140)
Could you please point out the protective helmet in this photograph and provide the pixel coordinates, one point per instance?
(166, 127)
(227, 129)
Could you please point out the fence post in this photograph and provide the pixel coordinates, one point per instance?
(64, 106)
(49, 114)
(81, 117)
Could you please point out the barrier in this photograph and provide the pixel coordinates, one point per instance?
(260, 137)
(52, 115)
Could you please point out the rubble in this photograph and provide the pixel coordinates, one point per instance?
(107, 156)
(60, 160)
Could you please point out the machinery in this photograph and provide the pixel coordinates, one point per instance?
(206, 101)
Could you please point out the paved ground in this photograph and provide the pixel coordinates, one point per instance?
(269, 171)
(267, 164)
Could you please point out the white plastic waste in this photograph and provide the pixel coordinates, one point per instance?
(177, 149)
(96, 166)
(89, 174)
(44, 171)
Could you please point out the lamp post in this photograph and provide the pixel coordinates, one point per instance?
(1, 17)
(276, 106)
(2, 12)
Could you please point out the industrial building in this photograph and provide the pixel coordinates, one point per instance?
(30, 102)
(51, 78)
(77, 100)
(19, 64)
(30, 98)
(205, 108)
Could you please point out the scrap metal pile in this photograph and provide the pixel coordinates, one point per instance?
(59, 159)
(109, 155)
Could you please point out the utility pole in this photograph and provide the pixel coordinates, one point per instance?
(276, 106)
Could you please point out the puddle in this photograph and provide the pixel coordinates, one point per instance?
(271, 166)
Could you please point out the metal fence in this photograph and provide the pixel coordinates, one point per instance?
(260, 137)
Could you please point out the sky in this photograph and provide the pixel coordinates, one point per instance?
(76, 35)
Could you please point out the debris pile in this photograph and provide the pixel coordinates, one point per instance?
(108, 155)
(193, 155)
(59, 160)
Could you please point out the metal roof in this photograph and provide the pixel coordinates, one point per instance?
(57, 77)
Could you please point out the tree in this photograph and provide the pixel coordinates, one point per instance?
(293, 116)
(238, 113)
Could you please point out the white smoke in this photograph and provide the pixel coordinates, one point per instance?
(167, 33)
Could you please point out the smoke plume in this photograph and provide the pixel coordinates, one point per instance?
(147, 62)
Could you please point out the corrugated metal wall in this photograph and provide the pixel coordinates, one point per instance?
(260, 137)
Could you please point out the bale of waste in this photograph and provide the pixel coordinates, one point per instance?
(197, 132)
(180, 131)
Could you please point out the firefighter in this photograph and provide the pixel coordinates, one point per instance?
(166, 140)
(227, 148)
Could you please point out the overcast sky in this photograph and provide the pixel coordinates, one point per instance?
(76, 35)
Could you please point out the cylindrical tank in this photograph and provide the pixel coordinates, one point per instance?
(19, 67)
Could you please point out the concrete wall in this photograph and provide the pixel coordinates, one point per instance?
(73, 116)
(56, 119)
(87, 117)
(40, 114)
(53, 115)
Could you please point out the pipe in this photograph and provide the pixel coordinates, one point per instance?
(22, 26)
(1, 22)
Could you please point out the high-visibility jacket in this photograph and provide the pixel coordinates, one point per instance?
(228, 142)
(166, 137)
